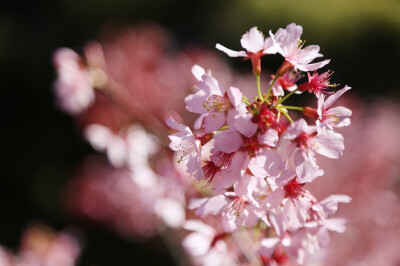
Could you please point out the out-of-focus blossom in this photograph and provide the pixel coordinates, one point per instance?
(113, 197)
(41, 246)
(371, 161)
(73, 87)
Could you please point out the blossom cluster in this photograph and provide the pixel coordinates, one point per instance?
(256, 159)
(234, 186)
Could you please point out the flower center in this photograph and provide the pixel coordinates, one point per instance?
(294, 190)
(209, 170)
(185, 148)
(216, 104)
(263, 116)
(235, 208)
(251, 145)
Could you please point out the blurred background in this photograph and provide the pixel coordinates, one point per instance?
(42, 146)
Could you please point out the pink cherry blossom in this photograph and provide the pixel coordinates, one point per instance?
(285, 82)
(256, 46)
(288, 44)
(329, 144)
(317, 84)
(213, 103)
(254, 42)
(198, 242)
(336, 117)
(187, 146)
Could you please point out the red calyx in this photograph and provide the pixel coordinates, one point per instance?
(311, 112)
(285, 67)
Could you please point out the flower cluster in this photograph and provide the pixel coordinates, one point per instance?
(257, 159)
(251, 160)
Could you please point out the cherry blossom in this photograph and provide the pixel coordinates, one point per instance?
(213, 103)
(287, 42)
(235, 189)
(187, 146)
(256, 46)
(317, 84)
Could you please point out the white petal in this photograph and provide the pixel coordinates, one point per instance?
(310, 67)
(230, 52)
(171, 211)
(198, 72)
(196, 244)
(268, 246)
(270, 138)
(175, 125)
(253, 40)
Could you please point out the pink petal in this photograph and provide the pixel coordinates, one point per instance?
(245, 187)
(336, 224)
(198, 72)
(199, 121)
(268, 246)
(256, 166)
(213, 121)
(195, 102)
(341, 116)
(310, 67)
(196, 244)
(329, 144)
(170, 211)
(285, 177)
(270, 138)
(253, 41)
(230, 52)
(274, 164)
(269, 46)
(198, 226)
(212, 206)
(224, 180)
(212, 85)
(331, 99)
(243, 123)
(228, 141)
(175, 125)
(295, 129)
(275, 198)
(235, 96)
(307, 172)
(278, 222)
(308, 54)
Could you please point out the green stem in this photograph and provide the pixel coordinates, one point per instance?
(270, 87)
(245, 100)
(291, 107)
(286, 96)
(259, 87)
(223, 128)
(287, 116)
